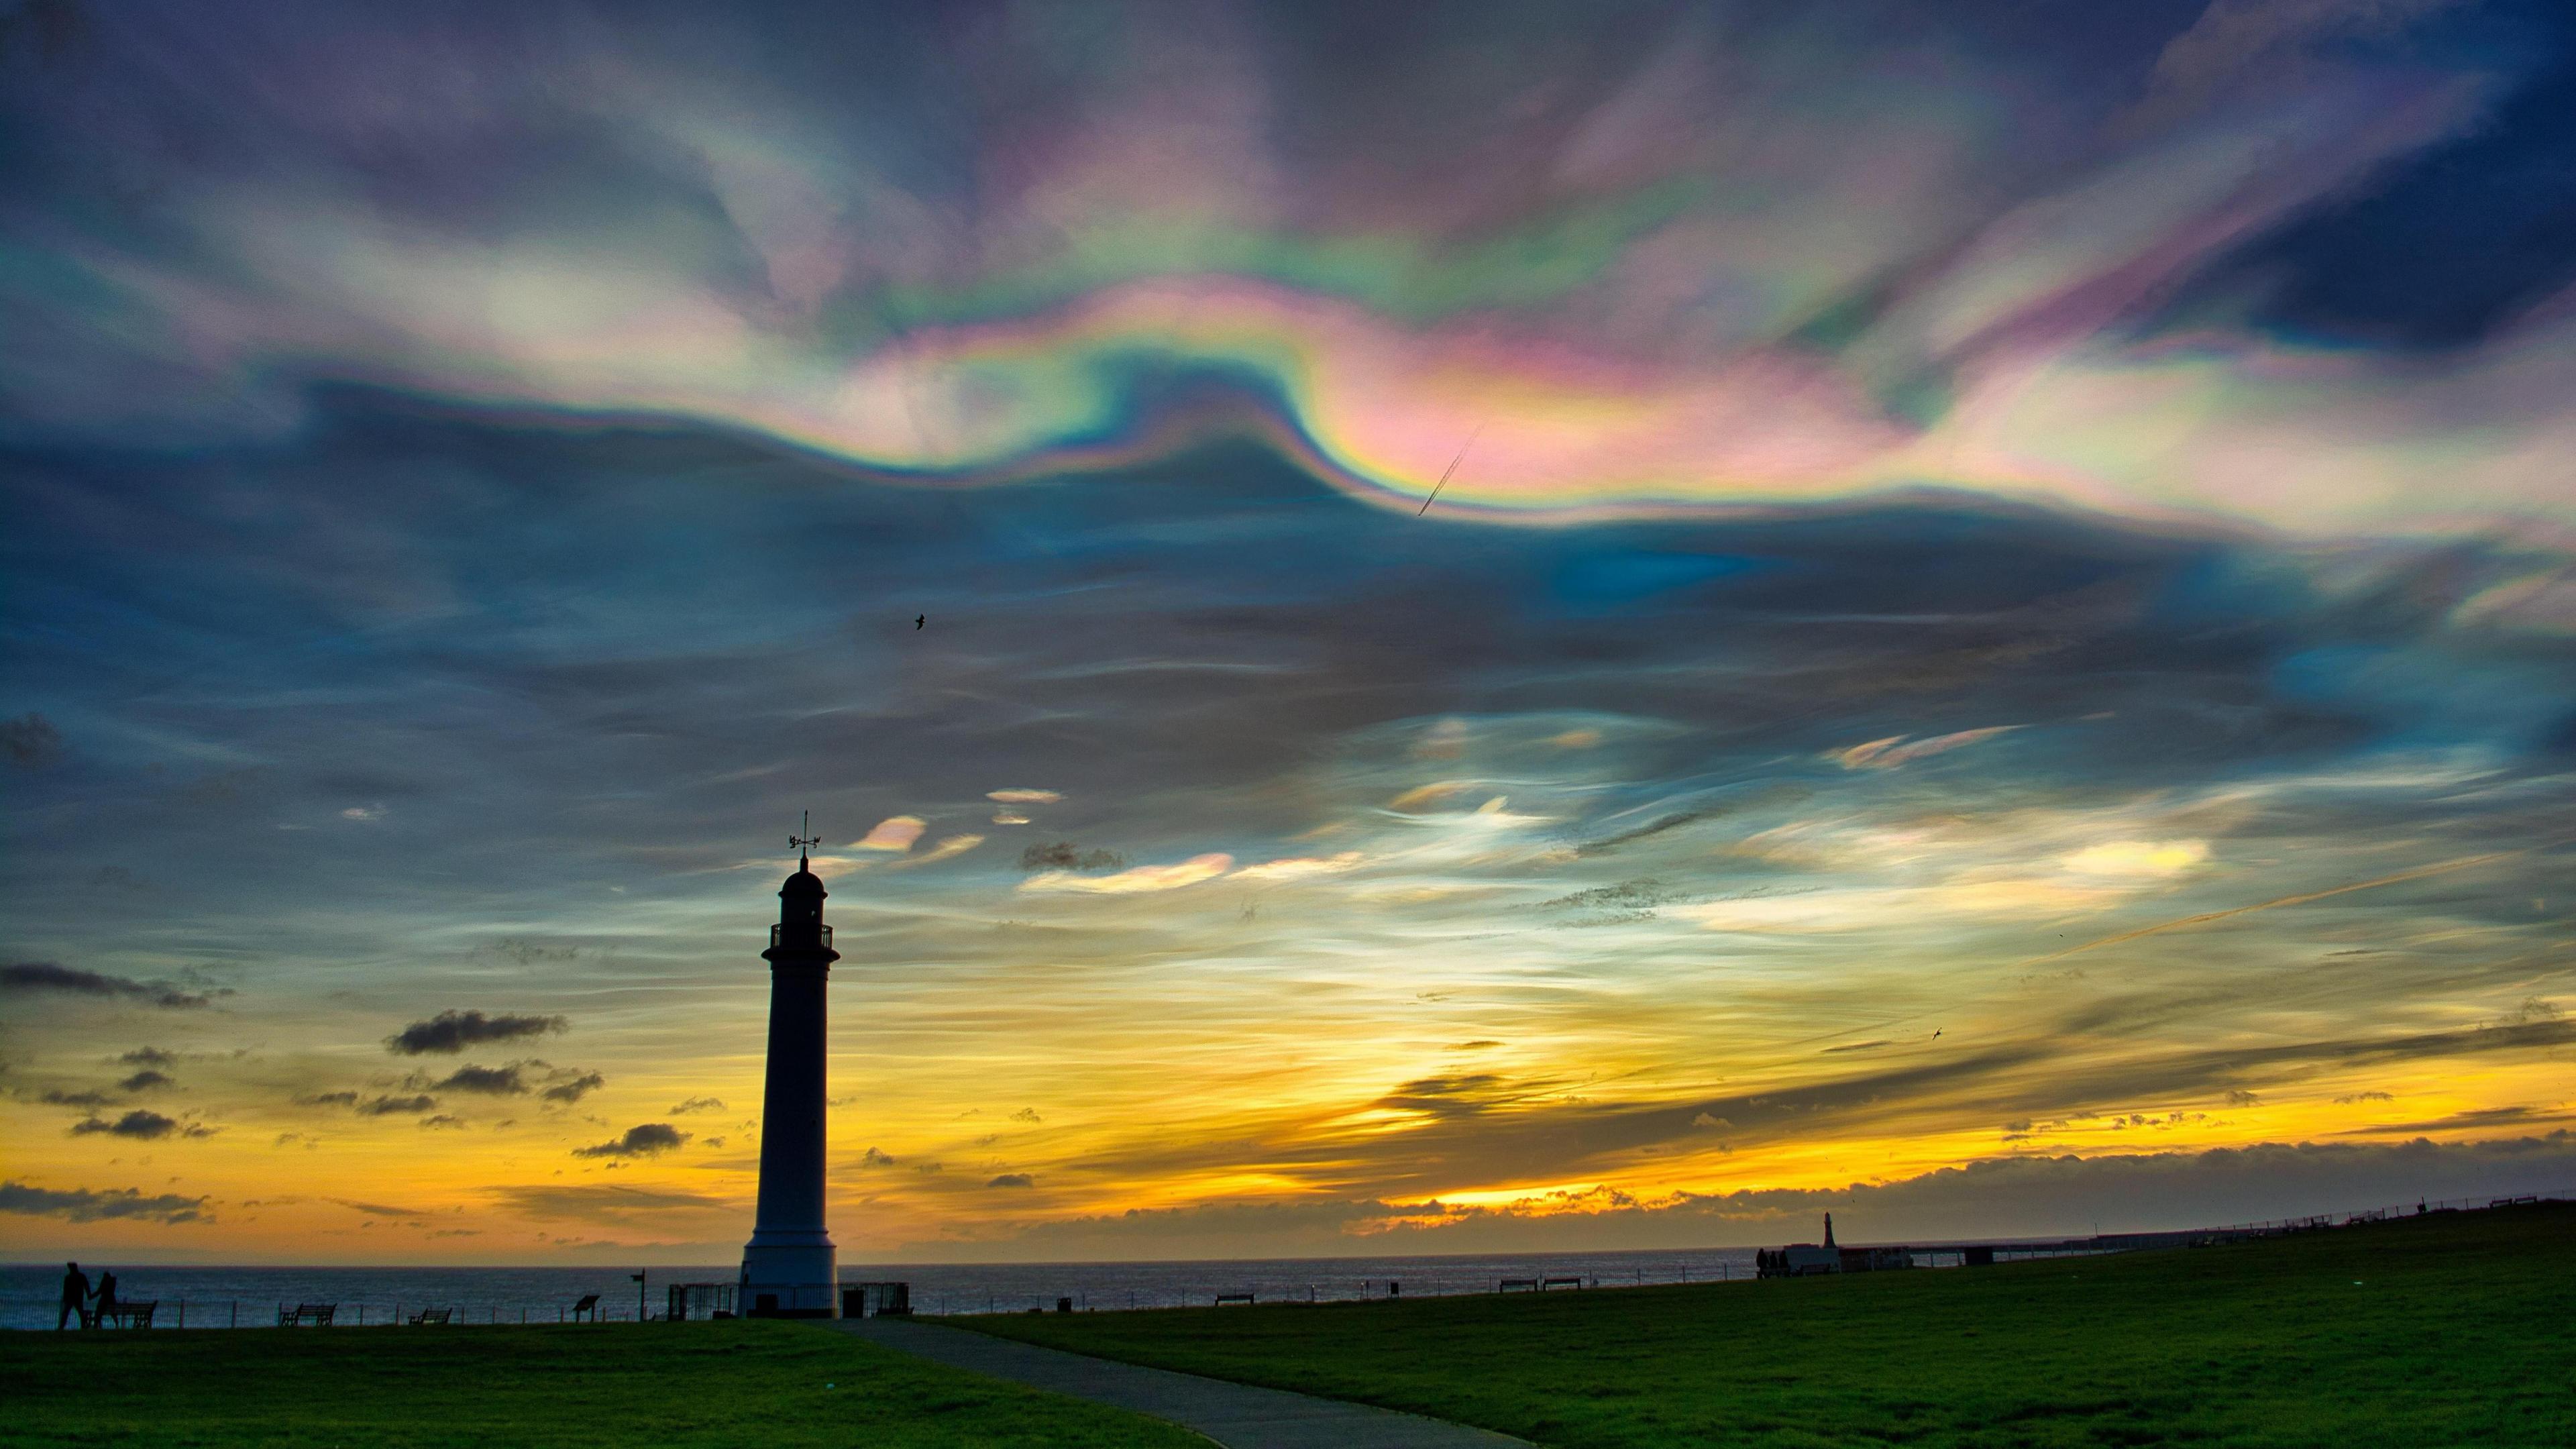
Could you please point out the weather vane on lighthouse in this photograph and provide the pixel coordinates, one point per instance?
(801, 843)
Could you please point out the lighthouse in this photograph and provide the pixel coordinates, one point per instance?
(789, 1268)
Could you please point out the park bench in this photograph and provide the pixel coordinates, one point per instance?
(133, 1315)
(1546, 1283)
(1223, 1299)
(589, 1304)
(1517, 1285)
(317, 1314)
(432, 1315)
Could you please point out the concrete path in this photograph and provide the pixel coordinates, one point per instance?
(1237, 1416)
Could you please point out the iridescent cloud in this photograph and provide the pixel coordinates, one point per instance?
(2028, 675)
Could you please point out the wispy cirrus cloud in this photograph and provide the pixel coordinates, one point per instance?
(1898, 750)
(1301, 867)
(605, 1203)
(949, 848)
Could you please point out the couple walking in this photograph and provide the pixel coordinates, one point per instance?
(77, 1299)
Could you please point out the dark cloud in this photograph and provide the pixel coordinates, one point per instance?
(90, 1097)
(395, 1106)
(875, 1157)
(326, 1099)
(147, 1126)
(697, 1104)
(31, 977)
(149, 1057)
(574, 1088)
(1065, 855)
(454, 1031)
(513, 1079)
(145, 1081)
(30, 740)
(483, 1081)
(1013, 1179)
(88, 1205)
(640, 1141)
(1627, 901)
(1461, 1094)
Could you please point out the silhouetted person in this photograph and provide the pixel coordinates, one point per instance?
(106, 1308)
(75, 1297)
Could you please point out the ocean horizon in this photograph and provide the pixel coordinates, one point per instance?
(218, 1296)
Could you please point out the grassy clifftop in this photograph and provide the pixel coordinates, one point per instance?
(2447, 1330)
(409, 1388)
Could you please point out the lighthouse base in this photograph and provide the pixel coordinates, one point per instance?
(791, 1280)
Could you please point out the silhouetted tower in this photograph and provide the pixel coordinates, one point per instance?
(764, 1178)
(789, 1268)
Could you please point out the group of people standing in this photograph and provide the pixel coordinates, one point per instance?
(92, 1309)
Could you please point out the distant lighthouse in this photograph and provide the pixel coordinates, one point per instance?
(789, 1268)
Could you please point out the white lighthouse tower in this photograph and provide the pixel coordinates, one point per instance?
(789, 1268)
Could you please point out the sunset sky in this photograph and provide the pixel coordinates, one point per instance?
(1997, 651)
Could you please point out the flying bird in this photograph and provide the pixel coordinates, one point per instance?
(920, 619)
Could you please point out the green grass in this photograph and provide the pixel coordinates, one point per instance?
(659, 1384)
(2448, 1330)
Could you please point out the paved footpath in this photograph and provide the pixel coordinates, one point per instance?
(1237, 1416)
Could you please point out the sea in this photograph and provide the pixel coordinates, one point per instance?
(218, 1297)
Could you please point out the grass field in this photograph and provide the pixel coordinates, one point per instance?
(660, 1384)
(2447, 1330)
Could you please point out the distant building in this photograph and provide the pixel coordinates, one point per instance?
(1803, 1260)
